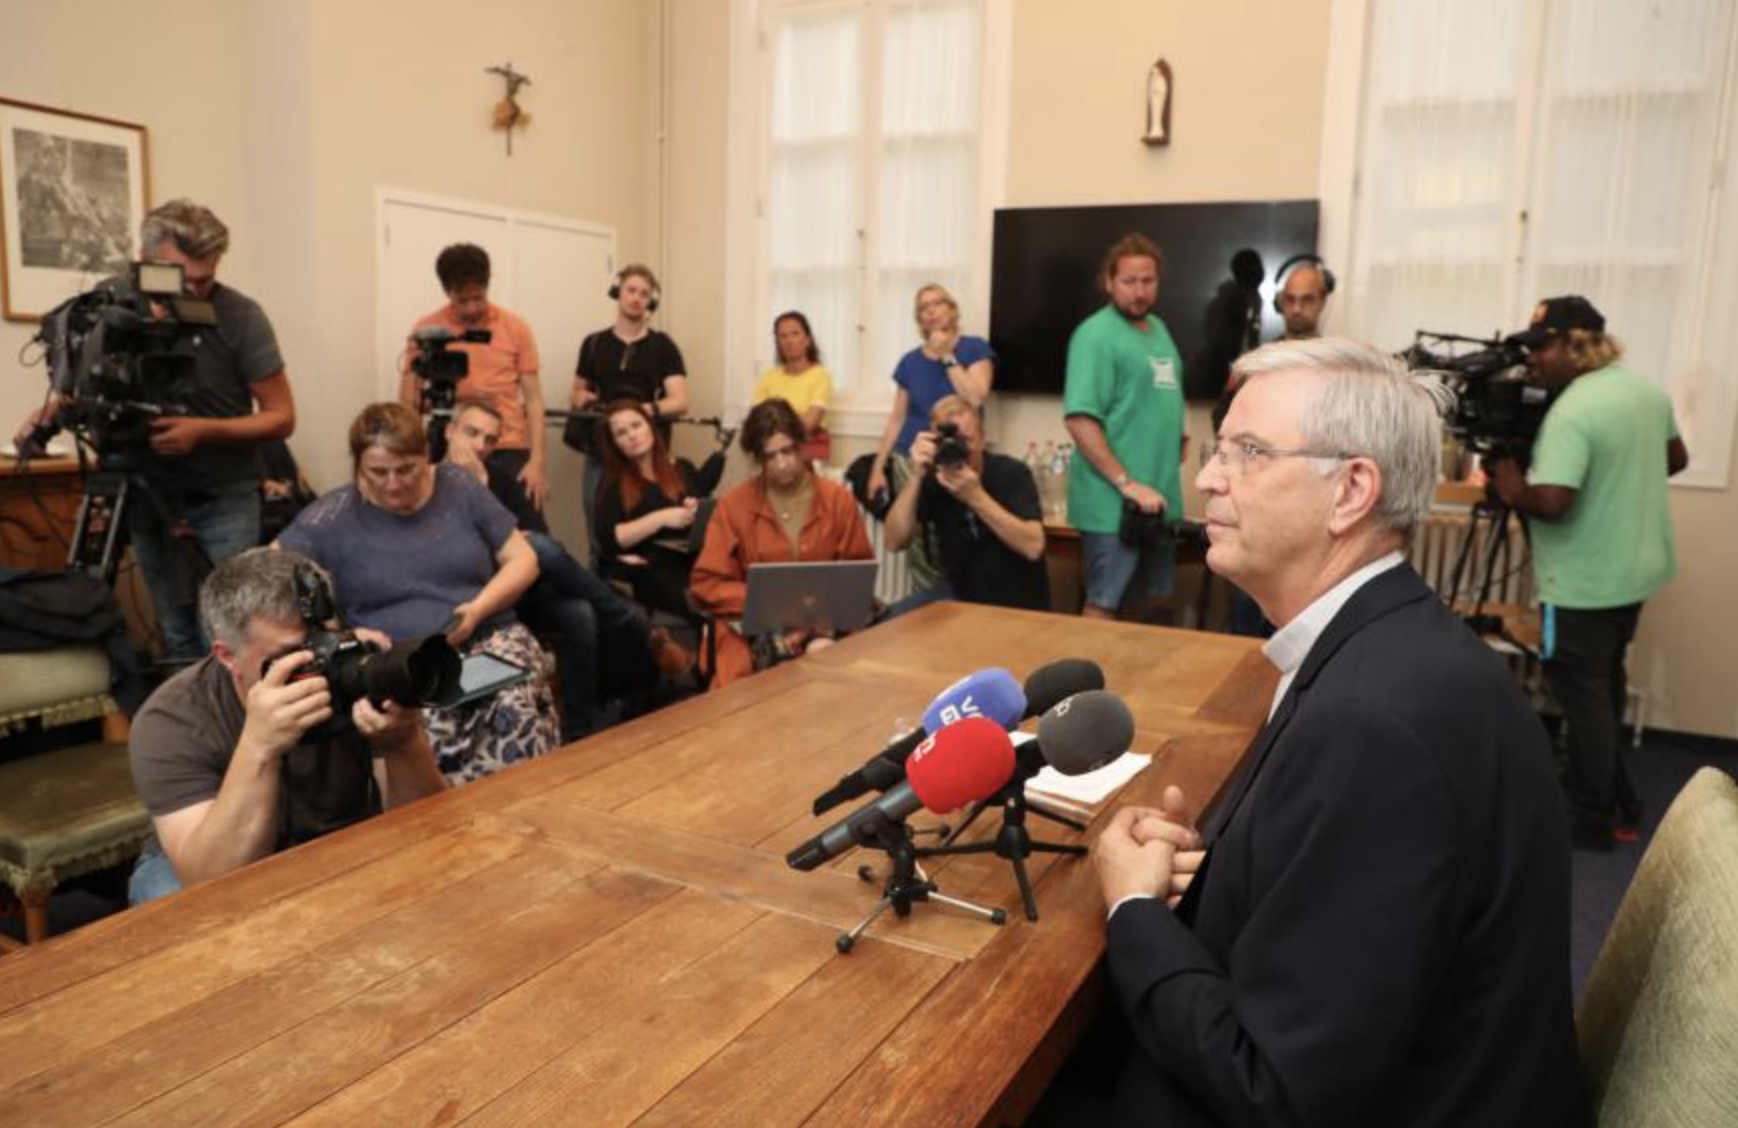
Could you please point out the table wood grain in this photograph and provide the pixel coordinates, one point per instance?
(610, 936)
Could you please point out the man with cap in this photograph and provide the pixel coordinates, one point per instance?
(1595, 500)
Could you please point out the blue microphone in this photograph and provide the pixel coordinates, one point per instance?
(992, 694)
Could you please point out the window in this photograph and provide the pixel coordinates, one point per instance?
(871, 175)
(1513, 151)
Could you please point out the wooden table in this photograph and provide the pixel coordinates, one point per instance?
(610, 935)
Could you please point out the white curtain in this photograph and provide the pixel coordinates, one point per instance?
(1512, 151)
(1628, 143)
(874, 175)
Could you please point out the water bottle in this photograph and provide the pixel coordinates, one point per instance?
(1058, 506)
(1044, 474)
(1067, 456)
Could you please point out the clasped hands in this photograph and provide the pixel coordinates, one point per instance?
(1149, 852)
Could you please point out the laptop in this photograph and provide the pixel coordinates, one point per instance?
(834, 595)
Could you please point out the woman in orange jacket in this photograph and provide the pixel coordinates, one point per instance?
(784, 513)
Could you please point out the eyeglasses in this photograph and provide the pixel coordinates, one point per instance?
(1236, 455)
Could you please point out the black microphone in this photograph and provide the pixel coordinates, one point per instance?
(1080, 734)
(1050, 684)
(965, 762)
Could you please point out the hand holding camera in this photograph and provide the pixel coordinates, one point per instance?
(284, 704)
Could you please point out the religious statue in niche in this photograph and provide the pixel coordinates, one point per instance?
(509, 114)
(1158, 104)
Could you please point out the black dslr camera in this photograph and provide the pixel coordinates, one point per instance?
(1497, 413)
(950, 449)
(415, 673)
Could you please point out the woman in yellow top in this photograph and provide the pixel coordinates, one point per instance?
(800, 379)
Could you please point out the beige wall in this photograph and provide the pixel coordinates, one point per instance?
(286, 116)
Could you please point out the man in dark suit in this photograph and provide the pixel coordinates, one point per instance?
(1372, 924)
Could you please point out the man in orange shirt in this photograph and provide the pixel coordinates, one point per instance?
(503, 374)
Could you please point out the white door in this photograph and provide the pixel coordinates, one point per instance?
(552, 272)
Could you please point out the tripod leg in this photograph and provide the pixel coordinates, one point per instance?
(847, 940)
(1026, 894)
(994, 916)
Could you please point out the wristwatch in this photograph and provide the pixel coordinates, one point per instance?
(949, 362)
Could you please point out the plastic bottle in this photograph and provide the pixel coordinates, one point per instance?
(1058, 504)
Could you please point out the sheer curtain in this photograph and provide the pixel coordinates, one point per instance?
(873, 157)
(1511, 151)
(1630, 141)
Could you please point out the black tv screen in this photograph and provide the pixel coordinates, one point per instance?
(1044, 281)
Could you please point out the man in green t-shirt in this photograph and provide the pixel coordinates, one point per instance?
(1123, 404)
(1601, 525)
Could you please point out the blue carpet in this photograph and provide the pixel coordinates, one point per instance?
(1659, 769)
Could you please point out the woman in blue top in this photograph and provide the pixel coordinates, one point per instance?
(414, 548)
(946, 364)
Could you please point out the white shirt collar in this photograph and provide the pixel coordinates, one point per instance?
(1292, 643)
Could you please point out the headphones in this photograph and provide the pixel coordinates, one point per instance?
(620, 276)
(314, 600)
(1313, 260)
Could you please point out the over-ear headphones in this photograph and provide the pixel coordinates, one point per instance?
(1313, 260)
(634, 268)
(314, 601)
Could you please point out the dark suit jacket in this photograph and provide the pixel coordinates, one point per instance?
(1381, 933)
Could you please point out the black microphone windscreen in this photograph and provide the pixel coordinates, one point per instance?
(1086, 732)
(1053, 683)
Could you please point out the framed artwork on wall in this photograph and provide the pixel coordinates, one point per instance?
(73, 191)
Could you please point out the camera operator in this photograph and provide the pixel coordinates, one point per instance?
(203, 464)
(220, 752)
(502, 373)
(1602, 540)
(982, 511)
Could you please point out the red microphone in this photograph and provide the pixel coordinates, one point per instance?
(967, 761)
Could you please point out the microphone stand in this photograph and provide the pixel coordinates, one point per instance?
(906, 884)
(1012, 842)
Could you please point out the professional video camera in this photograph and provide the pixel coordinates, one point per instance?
(414, 673)
(436, 361)
(950, 449)
(113, 360)
(1497, 413)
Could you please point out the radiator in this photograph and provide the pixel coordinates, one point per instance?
(892, 577)
(1438, 543)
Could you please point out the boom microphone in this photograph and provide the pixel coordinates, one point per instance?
(988, 693)
(965, 762)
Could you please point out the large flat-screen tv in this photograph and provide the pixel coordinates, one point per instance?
(1044, 280)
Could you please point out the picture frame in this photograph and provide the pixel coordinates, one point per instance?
(74, 189)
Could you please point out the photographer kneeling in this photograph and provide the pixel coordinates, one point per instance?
(234, 756)
(981, 511)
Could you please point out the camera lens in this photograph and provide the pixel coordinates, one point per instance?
(412, 673)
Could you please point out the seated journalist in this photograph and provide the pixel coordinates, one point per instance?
(221, 752)
(1372, 924)
(980, 514)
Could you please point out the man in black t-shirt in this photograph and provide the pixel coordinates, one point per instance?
(204, 462)
(981, 512)
(219, 755)
(629, 360)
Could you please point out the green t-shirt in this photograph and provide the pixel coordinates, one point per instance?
(1131, 381)
(1605, 438)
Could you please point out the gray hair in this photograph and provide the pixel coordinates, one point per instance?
(193, 228)
(257, 584)
(1371, 406)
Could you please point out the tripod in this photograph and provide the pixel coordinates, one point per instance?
(906, 884)
(1012, 842)
(438, 397)
(103, 514)
(1493, 517)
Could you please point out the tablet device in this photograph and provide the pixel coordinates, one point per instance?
(483, 675)
(835, 595)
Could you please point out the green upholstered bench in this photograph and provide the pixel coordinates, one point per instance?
(71, 811)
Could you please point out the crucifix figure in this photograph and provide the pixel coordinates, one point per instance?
(509, 115)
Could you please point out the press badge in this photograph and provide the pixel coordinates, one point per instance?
(1164, 372)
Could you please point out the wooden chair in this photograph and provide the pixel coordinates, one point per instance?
(1658, 1025)
(70, 811)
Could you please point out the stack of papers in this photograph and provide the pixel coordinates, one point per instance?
(1081, 794)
